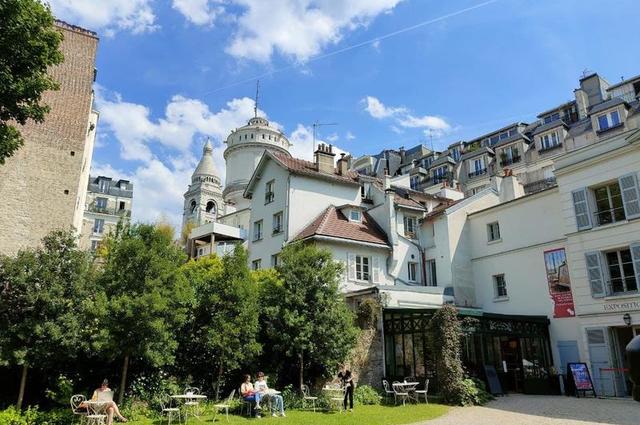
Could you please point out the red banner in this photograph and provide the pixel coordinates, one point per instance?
(555, 262)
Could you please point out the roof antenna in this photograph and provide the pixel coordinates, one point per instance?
(315, 126)
(431, 138)
(255, 104)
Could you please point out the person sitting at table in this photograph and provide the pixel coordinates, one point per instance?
(277, 401)
(347, 384)
(250, 394)
(108, 406)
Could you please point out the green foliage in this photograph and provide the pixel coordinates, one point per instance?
(145, 297)
(445, 331)
(368, 313)
(474, 393)
(62, 390)
(44, 298)
(305, 321)
(366, 395)
(29, 44)
(292, 398)
(32, 416)
(220, 334)
(154, 388)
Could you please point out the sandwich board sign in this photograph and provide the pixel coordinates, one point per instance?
(579, 379)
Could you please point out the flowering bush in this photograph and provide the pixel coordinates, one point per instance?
(365, 394)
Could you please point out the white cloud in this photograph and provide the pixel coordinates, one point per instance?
(349, 136)
(199, 12)
(107, 16)
(298, 28)
(431, 124)
(302, 141)
(333, 137)
(378, 110)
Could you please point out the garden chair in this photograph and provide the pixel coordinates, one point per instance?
(224, 406)
(76, 401)
(95, 416)
(388, 392)
(306, 396)
(400, 393)
(191, 404)
(249, 405)
(169, 410)
(423, 392)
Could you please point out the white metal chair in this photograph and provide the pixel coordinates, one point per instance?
(76, 401)
(192, 404)
(400, 393)
(169, 410)
(224, 406)
(245, 404)
(306, 396)
(423, 392)
(388, 392)
(95, 415)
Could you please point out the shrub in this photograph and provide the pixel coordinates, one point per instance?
(474, 392)
(368, 313)
(152, 388)
(365, 394)
(62, 390)
(292, 398)
(32, 416)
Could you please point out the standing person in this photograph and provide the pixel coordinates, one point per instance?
(109, 406)
(347, 384)
(277, 401)
(250, 394)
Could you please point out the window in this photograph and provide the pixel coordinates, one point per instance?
(193, 207)
(621, 272)
(256, 264)
(94, 245)
(509, 155)
(477, 167)
(455, 154)
(414, 182)
(365, 191)
(211, 207)
(275, 260)
(553, 117)
(98, 226)
(268, 192)
(257, 230)
(608, 201)
(355, 215)
(101, 203)
(104, 186)
(122, 205)
(410, 226)
(277, 223)
(431, 273)
(500, 286)
(493, 231)
(439, 174)
(362, 268)
(412, 271)
(608, 120)
(549, 141)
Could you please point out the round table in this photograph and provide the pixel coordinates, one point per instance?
(409, 388)
(190, 398)
(335, 395)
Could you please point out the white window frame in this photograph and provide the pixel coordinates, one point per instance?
(619, 265)
(98, 226)
(609, 120)
(549, 140)
(500, 285)
(275, 260)
(410, 226)
(412, 271)
(363, 268)
(256, 264)
(432, 275)
(257, 230)
(277, 223)
(358, 216)
(269, 194)
(493, 232)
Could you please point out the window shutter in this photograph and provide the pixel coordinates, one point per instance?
(630, 195)
(635, 255)
(581, 207)
(595, 274)
(375, 271)
(351, 265)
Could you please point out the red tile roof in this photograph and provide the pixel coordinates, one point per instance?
(308, 168)
(334, 224)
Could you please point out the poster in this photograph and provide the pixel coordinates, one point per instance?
(581, 377)
(555, 262)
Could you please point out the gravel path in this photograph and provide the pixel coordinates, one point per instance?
(544, 410)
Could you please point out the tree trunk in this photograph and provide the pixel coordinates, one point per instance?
(123, 378)
(219, 382)
(301, 372)
(23, 384)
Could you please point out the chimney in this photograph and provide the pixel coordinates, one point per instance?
(386, 180)
(582, 103)
(403, 154)
(344, 163)
(324, 159)
(510, 187)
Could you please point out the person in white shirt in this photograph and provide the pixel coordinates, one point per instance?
(277, 403)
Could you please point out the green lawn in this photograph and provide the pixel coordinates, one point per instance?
(362, 415)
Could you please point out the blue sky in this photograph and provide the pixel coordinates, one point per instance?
(171, 72)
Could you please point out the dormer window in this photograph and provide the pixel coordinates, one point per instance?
(414, 182)
(455, 154)
(608, 120)
(549, 141)
(355, 215)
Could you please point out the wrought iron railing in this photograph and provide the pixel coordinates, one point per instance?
(477, 173)
(609, 216)
(622, 286)
(509, 161)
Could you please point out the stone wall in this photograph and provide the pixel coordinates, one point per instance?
(39, 184)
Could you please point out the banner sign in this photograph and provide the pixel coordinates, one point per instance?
(579, 378)
(555, 262)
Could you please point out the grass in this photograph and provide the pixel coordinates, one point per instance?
(362, 415)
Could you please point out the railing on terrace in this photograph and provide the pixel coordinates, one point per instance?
(109, 211)
(477, 173)
(609, 216)
(550, 148)
(509, 161)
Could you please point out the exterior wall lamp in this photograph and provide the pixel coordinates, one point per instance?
(627, 319)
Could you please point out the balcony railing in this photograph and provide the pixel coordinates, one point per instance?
(109, 211)
(477, 173)
(613, 215)
(622, 286)
(550, 148)
(509, 161)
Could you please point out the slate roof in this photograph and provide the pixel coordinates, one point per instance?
(442, 160)
(606, 105)
(482, 150)
(308, 168)
(332, 223)
(510, 139)
(549, 126)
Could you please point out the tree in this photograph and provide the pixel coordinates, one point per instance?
(221, 333)
(446, 333)
(29, 45)
(303, 315)
(146, 297)
(43, 302)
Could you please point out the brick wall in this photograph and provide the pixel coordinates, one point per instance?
(33, 182)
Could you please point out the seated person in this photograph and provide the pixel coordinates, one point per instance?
(107, 405)
(249, 394)
(277, 401)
